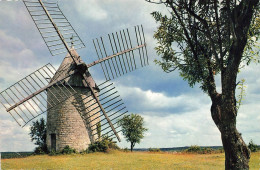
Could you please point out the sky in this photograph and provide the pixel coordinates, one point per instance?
(175, 114)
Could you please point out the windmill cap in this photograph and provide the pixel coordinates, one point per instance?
(68, 65)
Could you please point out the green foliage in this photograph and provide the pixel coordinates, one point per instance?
(38, 134)
(207, 150)
(253, 147)
(133, 128)
(68, 150)
(196, 38)
(102, 145)
(193, 149)
(154, 150)
(41, 150)
(242, 93)
(99, 129)
(53, 152)
(126, 150)
(10, 155)
(252, 49)
(199, 150)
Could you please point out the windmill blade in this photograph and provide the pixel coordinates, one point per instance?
(53, 26)
(96, 120)
(27, 99)
(87, 81)
(124, 52)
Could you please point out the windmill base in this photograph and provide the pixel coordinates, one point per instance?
(67, 123)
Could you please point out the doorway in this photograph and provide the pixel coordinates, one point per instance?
(53, 141)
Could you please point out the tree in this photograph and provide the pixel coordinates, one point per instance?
(132, 128)
(253, 147)
(213, 37)
(38, 134)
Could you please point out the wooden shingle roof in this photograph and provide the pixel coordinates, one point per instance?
(66, 66)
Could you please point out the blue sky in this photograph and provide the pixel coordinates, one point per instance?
(175, 114)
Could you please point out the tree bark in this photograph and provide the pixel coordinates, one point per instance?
(237, 154)
(132, 146)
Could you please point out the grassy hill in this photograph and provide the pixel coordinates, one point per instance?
(125, 160)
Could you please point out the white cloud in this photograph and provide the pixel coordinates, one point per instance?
(13, 137)
(174, 115)
(149, 100)
(190, 128)
(91, 10)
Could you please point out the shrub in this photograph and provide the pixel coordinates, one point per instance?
(41, 150)
(53, 152)
(99, 146)
(206, 150)
(193, 148)
(154, 150)
(125, 150)
(253, 147)
(102, 145)
(220, 150)
(68, 150)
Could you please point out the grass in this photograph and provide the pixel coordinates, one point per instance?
(125, 160)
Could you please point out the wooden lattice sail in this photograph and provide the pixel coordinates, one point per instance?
(78, 110)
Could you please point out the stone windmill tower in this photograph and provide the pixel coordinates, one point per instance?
(67, 123)
(78, 110)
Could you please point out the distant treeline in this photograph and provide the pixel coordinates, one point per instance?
(8, 155)
(178, 149)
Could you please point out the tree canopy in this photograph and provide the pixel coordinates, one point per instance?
(205, 33)
(205, 38)
(133, 128)
(38, 135)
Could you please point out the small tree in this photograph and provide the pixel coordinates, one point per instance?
(253, 147)
(132, 128)
(38, 134)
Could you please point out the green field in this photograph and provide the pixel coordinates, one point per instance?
(125, 160)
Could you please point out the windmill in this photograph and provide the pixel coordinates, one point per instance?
(78, 110)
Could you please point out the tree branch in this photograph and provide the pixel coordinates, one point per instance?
(188, 37)
(208, 34)
(219, 35)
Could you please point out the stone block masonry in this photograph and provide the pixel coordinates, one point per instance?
(68, 123)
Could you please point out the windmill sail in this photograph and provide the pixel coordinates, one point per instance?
(46, 88)
(53, 26)
(27, 99)
(113, 105)
(121, 52)
(60, 42)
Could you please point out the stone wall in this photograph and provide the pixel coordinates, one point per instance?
(69, 120)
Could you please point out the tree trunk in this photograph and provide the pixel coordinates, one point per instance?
(237, 154)
(132, 146)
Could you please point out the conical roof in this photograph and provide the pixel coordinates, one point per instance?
(66, 66)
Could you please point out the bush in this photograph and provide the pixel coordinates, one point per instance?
(53, 152)
(125, 150)
(193, 149)
(204, 150)
(207, 150)
(68, 150)
(102, 145)
(154, 150)
(41, 150)
(253, 147)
